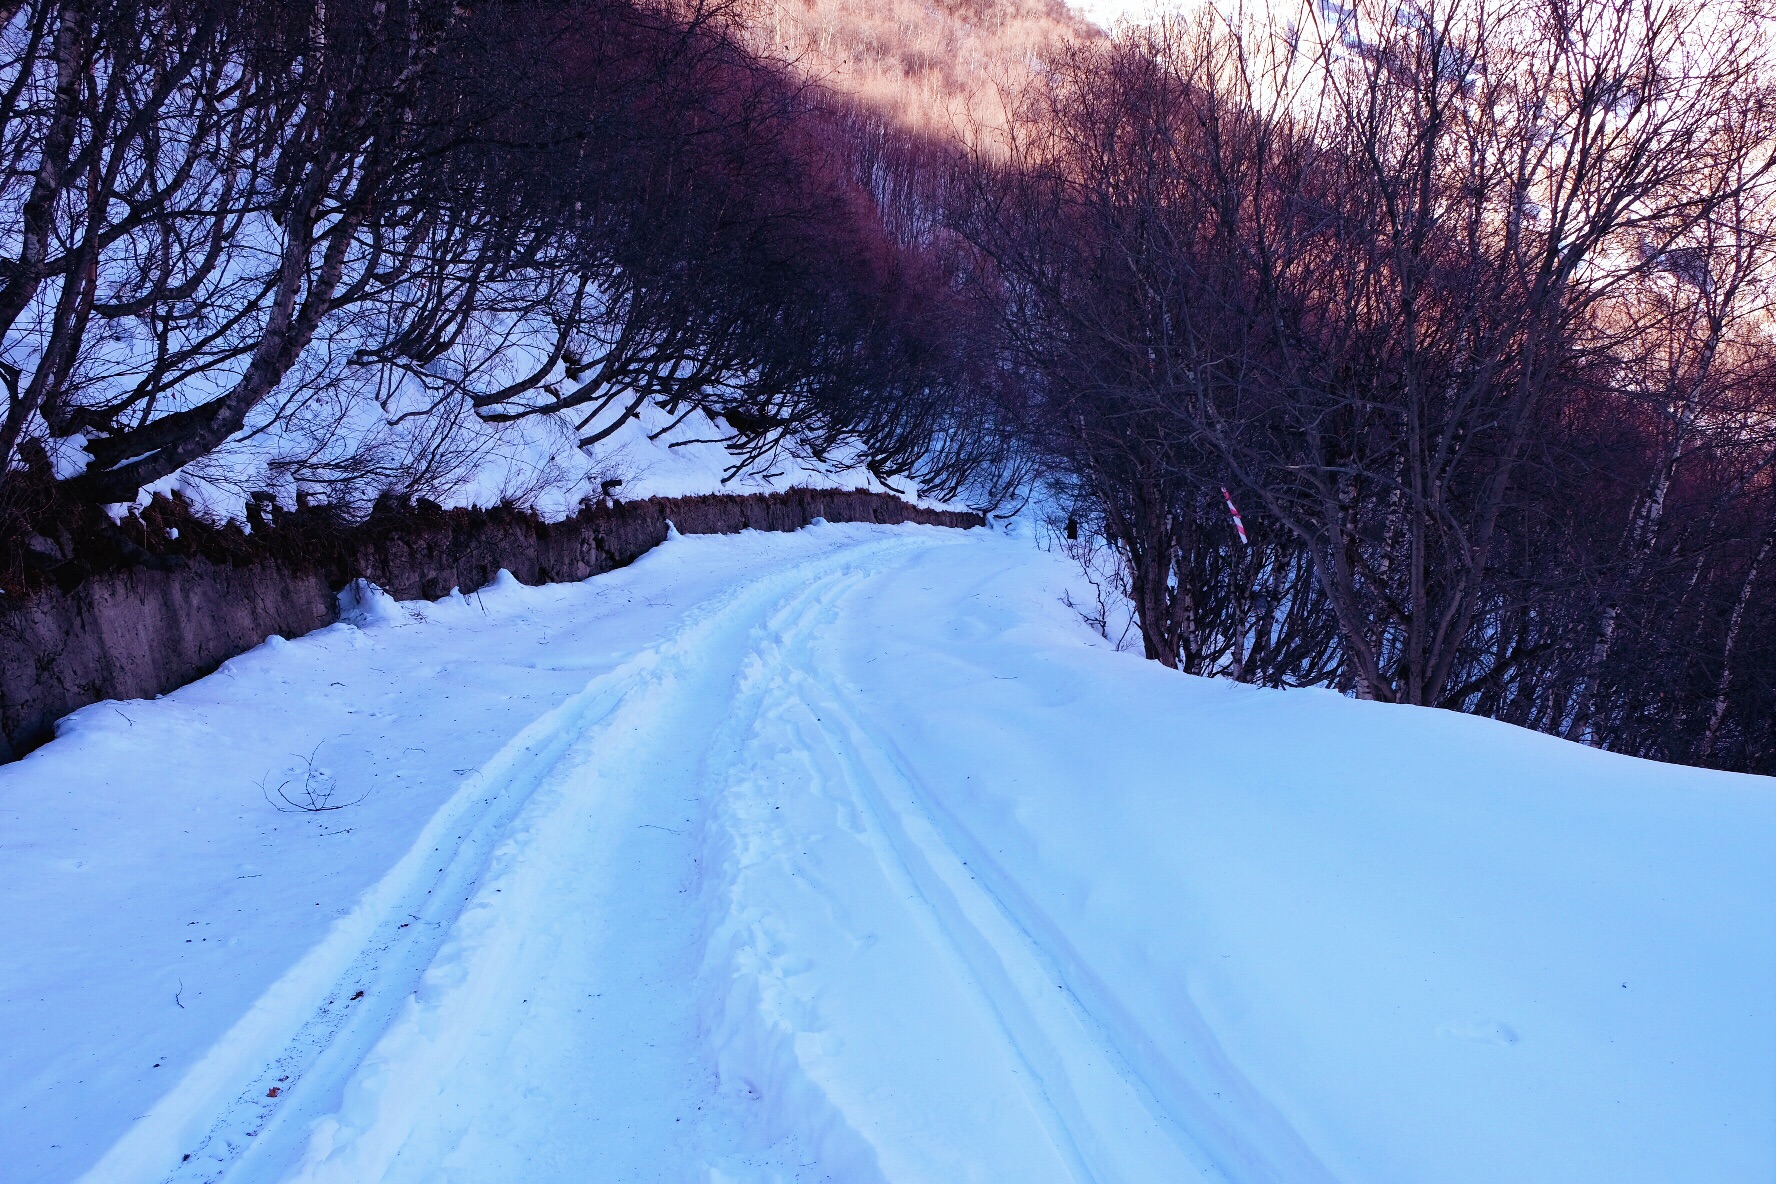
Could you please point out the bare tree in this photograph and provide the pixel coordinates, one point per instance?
(1422, 284)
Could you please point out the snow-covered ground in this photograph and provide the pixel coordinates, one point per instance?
(532, 462)
(853, 855)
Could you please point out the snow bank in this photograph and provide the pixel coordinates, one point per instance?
(1343, 940)
(365, 606)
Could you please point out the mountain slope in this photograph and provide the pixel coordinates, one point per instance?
(945, 67)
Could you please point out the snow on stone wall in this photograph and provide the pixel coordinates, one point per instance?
(144, 629)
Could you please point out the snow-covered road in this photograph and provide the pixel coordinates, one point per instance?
(851, 855)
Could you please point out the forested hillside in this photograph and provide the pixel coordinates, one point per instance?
(372, 232)
(1408, 348)
(949, 68)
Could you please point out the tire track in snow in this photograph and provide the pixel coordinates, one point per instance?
(364, 969)
(746, 1039)
(1105, 1127)
(243, 1111)
(469, 1078)
(1126, 1115)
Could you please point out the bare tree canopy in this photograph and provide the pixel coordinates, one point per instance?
(1454, 298)
(227, 214)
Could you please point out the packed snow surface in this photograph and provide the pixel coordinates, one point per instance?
(852, 855)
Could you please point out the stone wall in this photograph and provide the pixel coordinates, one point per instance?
(180, 607)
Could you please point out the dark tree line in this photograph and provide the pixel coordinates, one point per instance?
(218, 217)
(1466, 305)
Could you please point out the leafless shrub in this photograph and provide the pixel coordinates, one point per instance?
(313, 790)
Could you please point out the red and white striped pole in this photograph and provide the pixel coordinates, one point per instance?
(1235, 511)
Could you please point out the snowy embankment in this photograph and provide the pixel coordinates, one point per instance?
(532, 462)
(851, 855)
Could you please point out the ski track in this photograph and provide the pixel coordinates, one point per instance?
(634, 839)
